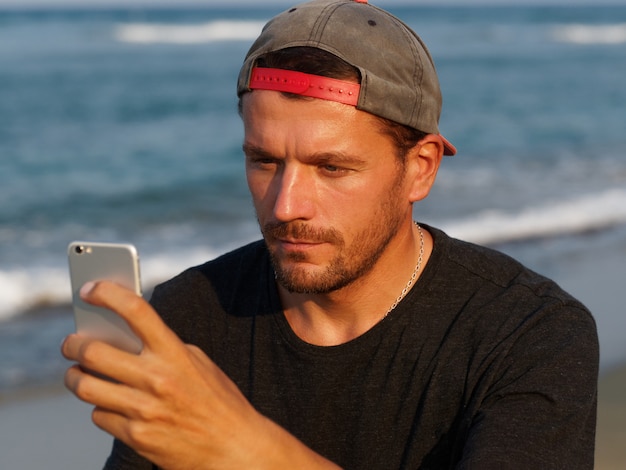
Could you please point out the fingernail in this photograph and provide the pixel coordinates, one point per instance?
(62, 345)
(87, 287)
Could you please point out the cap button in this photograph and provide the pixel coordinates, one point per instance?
(361, 1)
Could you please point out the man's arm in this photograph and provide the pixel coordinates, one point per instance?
(540, 409)
(171, 403)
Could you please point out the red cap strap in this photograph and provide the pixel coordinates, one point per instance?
(305, 84)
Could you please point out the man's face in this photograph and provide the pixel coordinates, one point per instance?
(327, 186)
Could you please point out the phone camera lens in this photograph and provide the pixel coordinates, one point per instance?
(79, 249)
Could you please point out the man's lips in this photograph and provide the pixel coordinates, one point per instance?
(298, 241)
(295, 237)
(295, 244)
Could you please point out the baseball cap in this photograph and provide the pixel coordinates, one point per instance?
(398, 77)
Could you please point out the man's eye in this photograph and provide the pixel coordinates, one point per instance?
(334, 170)
(262, 162)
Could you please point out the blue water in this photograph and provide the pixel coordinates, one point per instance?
(122, 125)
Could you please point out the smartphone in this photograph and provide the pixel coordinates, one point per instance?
(117, 262)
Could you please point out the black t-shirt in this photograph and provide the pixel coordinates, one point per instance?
(484, 364)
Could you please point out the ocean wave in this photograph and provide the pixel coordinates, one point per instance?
(584, 214)
(591, 34)
(25, 289)
(215, 31)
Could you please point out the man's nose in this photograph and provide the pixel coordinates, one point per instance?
(294, 194)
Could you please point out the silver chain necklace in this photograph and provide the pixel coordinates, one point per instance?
(418, 266)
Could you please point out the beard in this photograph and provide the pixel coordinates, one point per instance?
(350, 261)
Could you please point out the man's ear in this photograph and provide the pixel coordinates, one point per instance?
(423, 161)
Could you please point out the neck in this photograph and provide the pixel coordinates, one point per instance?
(343, 315)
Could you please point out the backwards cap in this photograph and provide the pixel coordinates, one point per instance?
(398, 77)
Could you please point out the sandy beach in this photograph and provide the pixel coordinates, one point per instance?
(49, 429)
(611, 431)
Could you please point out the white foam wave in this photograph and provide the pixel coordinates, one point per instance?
(215, 31)
(22, 289)
(586, 213)
(591, 34)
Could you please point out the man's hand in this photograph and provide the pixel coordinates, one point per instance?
(171, 403)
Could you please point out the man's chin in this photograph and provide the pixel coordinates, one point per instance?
(311, 280)
(299, 279)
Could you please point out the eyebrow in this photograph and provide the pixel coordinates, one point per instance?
(249, 149)
(319, 157)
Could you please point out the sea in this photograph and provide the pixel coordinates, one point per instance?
(122, 125)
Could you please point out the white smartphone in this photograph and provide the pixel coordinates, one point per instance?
(117, 262)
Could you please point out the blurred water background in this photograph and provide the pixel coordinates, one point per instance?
(121, 125)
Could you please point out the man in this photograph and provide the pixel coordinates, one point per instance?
(351, 336)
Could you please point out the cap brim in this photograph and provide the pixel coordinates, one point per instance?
(448, 148)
